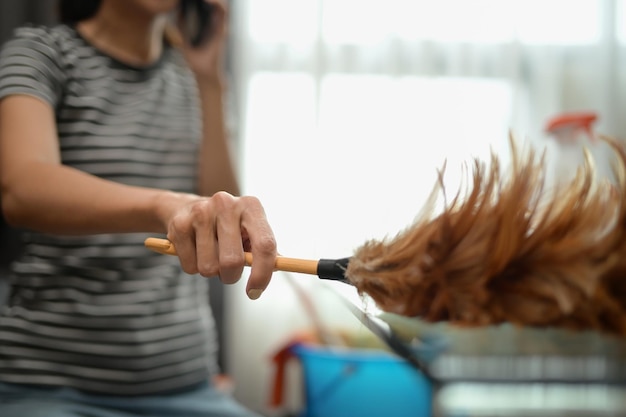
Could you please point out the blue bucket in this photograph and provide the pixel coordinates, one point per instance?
(342, 382)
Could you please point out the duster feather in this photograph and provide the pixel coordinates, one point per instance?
(509, 250)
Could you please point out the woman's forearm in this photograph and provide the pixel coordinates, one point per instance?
(53, 198)
(216, 171)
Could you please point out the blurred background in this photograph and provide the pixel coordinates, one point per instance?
(347, 108)
(343, 110)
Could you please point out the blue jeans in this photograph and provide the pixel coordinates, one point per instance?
(202, 401)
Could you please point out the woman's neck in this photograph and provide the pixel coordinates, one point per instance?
(133, 38)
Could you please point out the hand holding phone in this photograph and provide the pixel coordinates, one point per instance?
(196, 18)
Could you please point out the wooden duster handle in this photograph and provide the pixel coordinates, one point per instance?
(304, 266)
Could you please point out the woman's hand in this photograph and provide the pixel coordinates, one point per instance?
(206, 60)
(38, 192)
(211, 234)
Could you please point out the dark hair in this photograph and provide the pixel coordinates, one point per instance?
(73, 11)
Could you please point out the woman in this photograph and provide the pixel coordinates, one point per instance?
(109, 135)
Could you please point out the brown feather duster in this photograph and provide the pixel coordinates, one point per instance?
(509, 250)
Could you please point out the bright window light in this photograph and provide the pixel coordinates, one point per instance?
(357, 21)
(279, 158)
(476, 21)
(283, 21)
(558, 21)
(621, 21)
(365, 165)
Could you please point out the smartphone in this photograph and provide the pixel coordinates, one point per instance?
(196, 18)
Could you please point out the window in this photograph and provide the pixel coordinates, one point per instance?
(482, 21)
(352, 105)
(620, 21)
(349, 107)
(357, 170)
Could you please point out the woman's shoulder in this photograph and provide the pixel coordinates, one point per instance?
(57, 46)
(37, 60)
(51, 42)
(45, 34)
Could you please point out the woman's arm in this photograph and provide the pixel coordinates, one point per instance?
(39, 193)
(217, 171)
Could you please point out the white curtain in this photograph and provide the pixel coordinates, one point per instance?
(347, 108)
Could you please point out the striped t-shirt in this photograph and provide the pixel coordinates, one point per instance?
(102, 313)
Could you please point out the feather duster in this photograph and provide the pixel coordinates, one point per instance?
(507, 249)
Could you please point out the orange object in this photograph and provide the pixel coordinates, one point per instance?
(572, 122)
(280, 359)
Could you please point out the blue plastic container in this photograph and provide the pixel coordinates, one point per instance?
(361, 382)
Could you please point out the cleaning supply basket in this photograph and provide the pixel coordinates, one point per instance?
(343, 382)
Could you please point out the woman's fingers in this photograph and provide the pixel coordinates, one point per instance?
(228, 237)
(211, 234)
(219, 18)
(259, 237)
(243, 225)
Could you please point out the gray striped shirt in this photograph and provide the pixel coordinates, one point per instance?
(102, 313)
